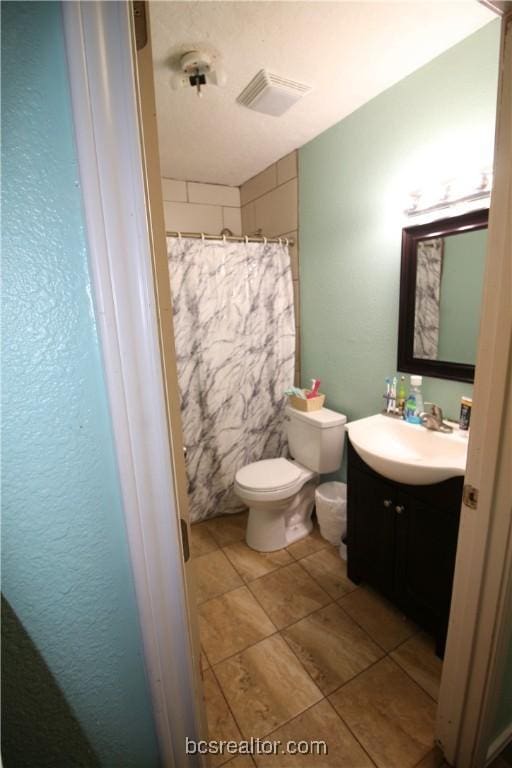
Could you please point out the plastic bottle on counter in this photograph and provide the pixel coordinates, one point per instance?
(402, 396)
(414, 403)
(465, 413)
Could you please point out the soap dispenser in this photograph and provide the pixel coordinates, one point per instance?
(414, 404)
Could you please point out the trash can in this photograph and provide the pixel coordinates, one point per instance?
(331, 512)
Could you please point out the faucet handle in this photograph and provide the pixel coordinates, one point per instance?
(435, 419)
(436, 410)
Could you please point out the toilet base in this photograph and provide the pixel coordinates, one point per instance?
(275, 526)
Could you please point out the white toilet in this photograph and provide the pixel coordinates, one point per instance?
(280, 493)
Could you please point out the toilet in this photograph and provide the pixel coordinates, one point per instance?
(280, 493)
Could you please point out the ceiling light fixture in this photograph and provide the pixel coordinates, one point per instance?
(198, 68)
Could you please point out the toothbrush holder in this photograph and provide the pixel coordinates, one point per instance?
(313, 404)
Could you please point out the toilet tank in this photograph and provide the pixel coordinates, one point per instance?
(316, 438)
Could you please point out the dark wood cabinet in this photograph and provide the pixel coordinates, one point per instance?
(402, 540)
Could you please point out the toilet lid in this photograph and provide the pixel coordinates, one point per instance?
(268, 475)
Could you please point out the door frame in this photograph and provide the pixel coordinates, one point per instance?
(480, 629)
(123, 209)
(101, 62)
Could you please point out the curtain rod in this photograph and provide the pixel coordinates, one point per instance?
(233, 238)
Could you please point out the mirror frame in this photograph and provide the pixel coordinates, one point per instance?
(407, 363)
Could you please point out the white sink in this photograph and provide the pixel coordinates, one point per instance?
(408, 453)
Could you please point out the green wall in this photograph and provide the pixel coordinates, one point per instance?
(461, 295)
(354, 181)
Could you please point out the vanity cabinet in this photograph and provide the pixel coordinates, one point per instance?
(402, 540)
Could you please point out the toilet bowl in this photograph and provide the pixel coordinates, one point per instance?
(280, 493)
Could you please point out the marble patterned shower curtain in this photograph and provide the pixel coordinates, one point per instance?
(429, 269)
(234, 332)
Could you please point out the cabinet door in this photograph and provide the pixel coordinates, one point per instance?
(371, 538)
(426, 542)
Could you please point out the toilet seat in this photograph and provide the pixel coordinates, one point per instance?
(268, 475)
(271, 479)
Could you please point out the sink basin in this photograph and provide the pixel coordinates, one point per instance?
(408, 453)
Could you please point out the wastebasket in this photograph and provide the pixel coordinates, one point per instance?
(331, 512)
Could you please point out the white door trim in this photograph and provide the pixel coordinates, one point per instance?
(479, 621)
(101, 71)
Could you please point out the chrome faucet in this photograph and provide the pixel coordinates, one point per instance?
(434, 419)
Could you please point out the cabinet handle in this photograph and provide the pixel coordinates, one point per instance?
(399, 510)
(387, 503)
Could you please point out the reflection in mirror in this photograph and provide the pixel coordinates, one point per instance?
(440, 296)
(449, 279)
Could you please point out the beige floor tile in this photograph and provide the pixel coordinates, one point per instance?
(266, 686)
(221, 724)
(434, 759)
(201, 540)
(332, 647)
(251, 564)
(391, 716)
(330, 571)
(230, 623)
(383, 622)
(307, 546)
(227, 528)
(214, 575)
(320, 723)
(417, 657)
(288, 594)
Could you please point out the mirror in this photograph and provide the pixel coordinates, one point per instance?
(440, 296)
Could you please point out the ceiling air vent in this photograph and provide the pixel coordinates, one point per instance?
(271, 93)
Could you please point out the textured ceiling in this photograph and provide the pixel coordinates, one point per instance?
(348, 51)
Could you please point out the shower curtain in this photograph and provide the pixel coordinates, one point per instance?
(429, 269)
(234, 332)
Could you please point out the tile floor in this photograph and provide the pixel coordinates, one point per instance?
(293, 650)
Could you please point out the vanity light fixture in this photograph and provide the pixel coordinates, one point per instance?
(449, 194)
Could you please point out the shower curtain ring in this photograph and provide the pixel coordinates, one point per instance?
(202, 236)
(179, 235)
(286, 242)
(264, 241)
(246, 239)
(280, 241)
(224, 239)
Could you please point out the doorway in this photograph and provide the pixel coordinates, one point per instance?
(176, 444)
(294, 602)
